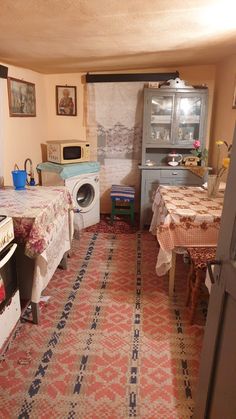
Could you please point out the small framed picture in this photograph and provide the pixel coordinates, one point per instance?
(66, 100)
(21, 97)
(234, 96)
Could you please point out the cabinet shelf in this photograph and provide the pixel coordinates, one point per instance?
(190, 120)
(160, 119)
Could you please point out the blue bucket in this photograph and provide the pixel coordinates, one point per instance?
(19, 179)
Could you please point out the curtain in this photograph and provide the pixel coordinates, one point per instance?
(114, 126)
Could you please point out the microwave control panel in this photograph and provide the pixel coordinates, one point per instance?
(87, 152)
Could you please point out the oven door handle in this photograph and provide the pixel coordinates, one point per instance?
(8, 255)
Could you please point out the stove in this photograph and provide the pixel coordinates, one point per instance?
(10, 309)
(6, 231)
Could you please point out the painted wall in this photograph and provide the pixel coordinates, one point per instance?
(224, 116)
(21, 136)
(60, 127)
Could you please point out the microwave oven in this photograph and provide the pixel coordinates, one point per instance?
(68, 151)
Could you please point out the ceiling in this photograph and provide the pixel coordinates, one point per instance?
(54, 36)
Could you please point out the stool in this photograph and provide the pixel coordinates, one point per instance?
(122, 198)
(199, 257)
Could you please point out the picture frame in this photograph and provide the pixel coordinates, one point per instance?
(66, 100)
(21, 97)
(234, 96)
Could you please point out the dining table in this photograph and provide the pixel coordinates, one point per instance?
(43, 228)
(183, 217)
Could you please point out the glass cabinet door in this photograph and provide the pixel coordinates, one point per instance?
(161, 113)
(188, 118)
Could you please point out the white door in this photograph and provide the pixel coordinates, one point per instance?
(216, 395)
(85, 194)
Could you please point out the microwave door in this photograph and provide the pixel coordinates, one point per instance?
(72, 153)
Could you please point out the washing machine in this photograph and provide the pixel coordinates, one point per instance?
(82, 180)
(85, 193)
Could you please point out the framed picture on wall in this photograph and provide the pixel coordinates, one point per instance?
(234, 97)
(66, 100)
(21, 97)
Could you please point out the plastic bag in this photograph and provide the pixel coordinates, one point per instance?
(78, 224)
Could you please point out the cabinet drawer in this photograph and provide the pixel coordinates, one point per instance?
(173, 173)
(179, 177)
(151, 174)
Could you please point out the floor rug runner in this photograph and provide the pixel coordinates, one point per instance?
(121, 225)
(110, 344)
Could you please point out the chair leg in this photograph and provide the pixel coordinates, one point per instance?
(35, 312)
(132, 212)
(113, 205)
(190, 279)
(195, 294)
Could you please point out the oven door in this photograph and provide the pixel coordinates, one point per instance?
(8, 275)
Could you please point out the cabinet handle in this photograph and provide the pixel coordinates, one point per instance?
(174, 173)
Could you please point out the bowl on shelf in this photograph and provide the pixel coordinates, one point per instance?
(150, 163)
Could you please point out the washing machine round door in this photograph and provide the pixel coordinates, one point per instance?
(85, 194)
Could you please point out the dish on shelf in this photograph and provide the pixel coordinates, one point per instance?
(173, 163)
(150, 163)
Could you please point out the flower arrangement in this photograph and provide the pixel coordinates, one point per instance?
(222, 166)
(198, 152)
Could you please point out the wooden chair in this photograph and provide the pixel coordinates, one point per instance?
(122, 198)
(199, 256)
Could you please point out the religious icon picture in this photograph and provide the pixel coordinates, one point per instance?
(66, 100)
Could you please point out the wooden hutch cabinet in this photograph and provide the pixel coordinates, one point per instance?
(173, 119)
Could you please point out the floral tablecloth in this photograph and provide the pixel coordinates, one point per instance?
(35, 211)
(184, 216)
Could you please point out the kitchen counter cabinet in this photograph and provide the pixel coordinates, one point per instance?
(152, 177)
(173, 119)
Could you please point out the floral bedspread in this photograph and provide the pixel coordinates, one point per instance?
(34, 212)
(184, 216)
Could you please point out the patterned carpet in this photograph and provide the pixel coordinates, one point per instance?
(121, 225)
(111, 345)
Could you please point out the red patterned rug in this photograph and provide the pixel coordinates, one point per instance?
(121, 225)
(110, 345)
